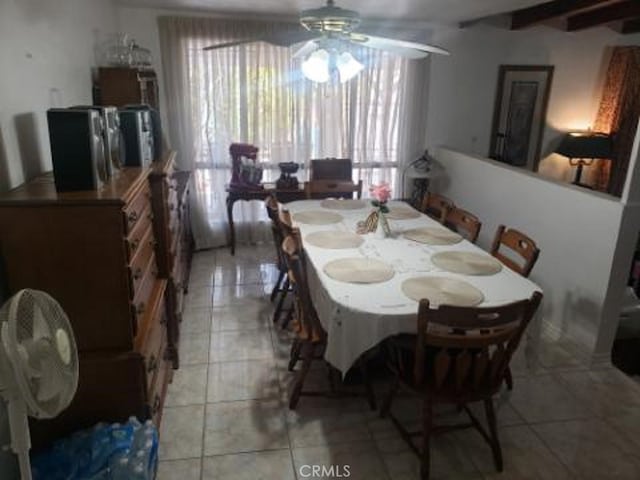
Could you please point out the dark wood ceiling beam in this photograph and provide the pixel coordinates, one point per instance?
(527, 17)
(631, 26)
(600, 16)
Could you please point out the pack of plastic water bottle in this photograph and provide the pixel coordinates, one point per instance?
(105, 452)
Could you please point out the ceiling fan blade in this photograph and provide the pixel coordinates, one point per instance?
(290, 37)
(231, 44)
(305, 49)
(280, 39)
(400, 47)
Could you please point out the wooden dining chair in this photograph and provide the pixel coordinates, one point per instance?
(436, 206)
(463, 222)
(517, 244)
(315, 189)
(281, 287)
(459, 356)
(331, 169)
(311, 338)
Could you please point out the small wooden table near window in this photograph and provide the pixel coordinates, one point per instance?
(235, 194)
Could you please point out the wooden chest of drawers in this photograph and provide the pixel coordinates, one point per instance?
(96, 253)
(170, 199)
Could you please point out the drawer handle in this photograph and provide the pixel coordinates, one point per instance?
(137, 275)
(140, 308)
(156, 405)
(153, 364)
(132, 217)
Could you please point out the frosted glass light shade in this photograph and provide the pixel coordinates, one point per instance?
(316, 66)
(348, 67)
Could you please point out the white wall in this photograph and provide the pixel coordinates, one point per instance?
(463, 86)
(576, 229)
(46, 54)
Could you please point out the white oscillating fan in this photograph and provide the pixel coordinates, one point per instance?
(38, 365)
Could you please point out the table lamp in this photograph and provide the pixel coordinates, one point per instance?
(582, 148)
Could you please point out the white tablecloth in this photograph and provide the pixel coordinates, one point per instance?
(358, 317)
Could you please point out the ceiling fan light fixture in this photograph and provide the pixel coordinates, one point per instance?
(316, 66)
(348, 67)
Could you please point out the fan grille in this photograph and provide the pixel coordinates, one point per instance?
(39, 344)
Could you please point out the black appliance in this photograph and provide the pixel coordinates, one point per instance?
(136, 129)
(77, 149)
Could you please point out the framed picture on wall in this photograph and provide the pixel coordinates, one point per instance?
(519, 114)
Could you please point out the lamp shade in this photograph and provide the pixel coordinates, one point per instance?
(585, 145)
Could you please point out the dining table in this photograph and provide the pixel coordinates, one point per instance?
(359, 316)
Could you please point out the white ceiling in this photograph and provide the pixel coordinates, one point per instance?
(437, 11)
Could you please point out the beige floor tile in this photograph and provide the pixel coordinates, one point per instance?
(194, 348)
(604, 392)
(250, 294)
(179, 470)
(238, 274)
(196, 320)
(248, 254)
(199, 296)
(323, 421)
(201, 277)
(355, 460)
(243, 317)
(268, 465)
(241, 345)
(188, 387)
(247, 380)
(181, 432)
(628, 426)
(555, 355)
(448, 459)
(235, 427)
(525, 456)
(590, 448)
(543, 399)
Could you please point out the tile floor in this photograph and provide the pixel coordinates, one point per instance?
(226, 416)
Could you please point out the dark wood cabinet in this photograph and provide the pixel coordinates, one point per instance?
(170, 194)
(104, 256)
(120, 86)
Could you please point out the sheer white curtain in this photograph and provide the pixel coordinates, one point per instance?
(256, 94)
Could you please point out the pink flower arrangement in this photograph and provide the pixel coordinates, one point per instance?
(381, 193)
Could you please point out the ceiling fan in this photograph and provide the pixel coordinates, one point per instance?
(324, 42)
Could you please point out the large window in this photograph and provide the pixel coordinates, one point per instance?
(256, 93)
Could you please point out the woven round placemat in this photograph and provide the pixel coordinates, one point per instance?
(468, 263)
(442, 291)
(334, 239)
(359, 270)
(433, 236)
(402, 213)
(343, 204)
(317, 217)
